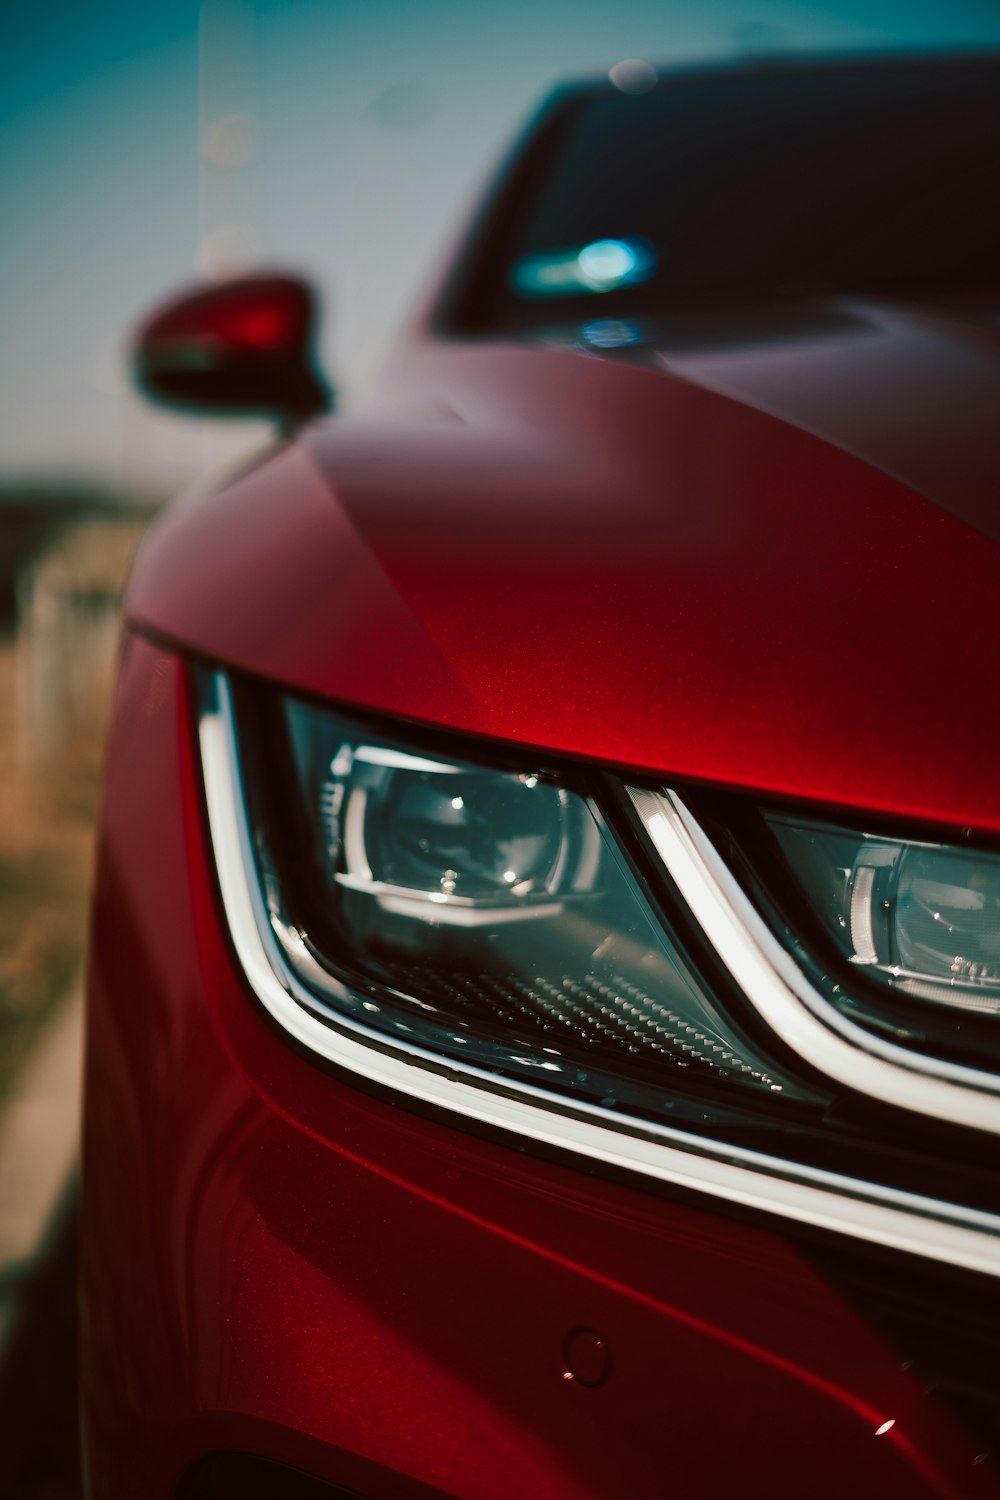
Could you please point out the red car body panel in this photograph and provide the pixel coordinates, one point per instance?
(598, 557)
(275, 1260)
(913, 390)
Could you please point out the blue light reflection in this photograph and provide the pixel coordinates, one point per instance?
(600, 266)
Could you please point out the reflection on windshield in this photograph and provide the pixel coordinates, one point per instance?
(601, 266)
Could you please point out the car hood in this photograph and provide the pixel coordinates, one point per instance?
(741, 563)
(913, 390)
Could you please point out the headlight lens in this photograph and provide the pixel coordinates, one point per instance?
(921, 920)
(445, 844)
(491, 913)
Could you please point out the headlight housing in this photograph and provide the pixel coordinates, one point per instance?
(492, 913)
(540, 951)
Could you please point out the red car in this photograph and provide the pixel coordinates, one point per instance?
(544, 1017)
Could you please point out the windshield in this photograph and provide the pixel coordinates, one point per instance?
(826, 179)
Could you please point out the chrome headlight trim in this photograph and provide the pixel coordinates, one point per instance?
(793, 1008)
(884, 1216)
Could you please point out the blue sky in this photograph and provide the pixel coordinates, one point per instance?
(376, 120)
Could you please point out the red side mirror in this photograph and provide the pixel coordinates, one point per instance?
(241, 348)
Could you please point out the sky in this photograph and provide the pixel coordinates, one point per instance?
(355, 133)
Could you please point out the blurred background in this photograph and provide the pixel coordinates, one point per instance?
(143, 146)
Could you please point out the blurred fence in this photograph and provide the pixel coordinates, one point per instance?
(58, 647)
(68, 604)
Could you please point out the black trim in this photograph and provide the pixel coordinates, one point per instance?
(247, 1476)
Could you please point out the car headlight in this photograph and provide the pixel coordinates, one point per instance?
(554, 954)
(487, 912)
(919, 919)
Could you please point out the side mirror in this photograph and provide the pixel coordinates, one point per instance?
(239, 348)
